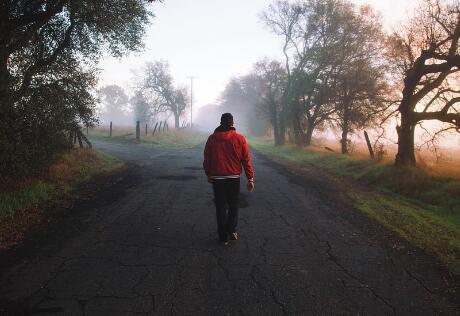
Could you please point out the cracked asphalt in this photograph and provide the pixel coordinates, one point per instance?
(150, 248)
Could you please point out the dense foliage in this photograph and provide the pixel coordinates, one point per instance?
(48, 50)
(332, 75)
(341, 70)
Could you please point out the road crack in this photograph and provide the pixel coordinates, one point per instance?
(342, 268)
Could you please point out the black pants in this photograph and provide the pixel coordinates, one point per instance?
(226, 192)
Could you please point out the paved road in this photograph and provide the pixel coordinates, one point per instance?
(151, 249)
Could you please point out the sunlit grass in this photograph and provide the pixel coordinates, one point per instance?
(419, 205)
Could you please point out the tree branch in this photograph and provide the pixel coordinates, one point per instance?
(40, 64)
(451, 118)
(38, 20)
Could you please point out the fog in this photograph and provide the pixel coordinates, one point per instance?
(217, 41)
(214, 40)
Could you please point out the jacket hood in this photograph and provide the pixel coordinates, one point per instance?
(223, 133)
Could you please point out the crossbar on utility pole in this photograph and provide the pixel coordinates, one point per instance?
(191, 98)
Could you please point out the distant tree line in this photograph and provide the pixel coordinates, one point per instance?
(341, 70)
(48, 53)
(154, 94)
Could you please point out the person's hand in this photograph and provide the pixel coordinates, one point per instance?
(210, 180)
(250, 185)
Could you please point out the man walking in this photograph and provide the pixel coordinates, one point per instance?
(225, 154)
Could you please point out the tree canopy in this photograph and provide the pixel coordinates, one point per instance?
(48, 53)
(333, 74)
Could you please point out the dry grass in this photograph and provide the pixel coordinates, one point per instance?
(444, 163)
(23, 201)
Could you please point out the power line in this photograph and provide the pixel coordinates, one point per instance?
(191, 98)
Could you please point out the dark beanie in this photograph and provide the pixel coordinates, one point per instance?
(226, 119)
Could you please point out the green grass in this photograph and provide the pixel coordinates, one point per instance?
(420, 206)
(437, 235)
(25, 198)
(183, 138)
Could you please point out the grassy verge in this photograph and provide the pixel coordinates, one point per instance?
(22, 202)
(183, 138)
(420, 206)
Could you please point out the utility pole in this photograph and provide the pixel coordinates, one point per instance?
(191, 98)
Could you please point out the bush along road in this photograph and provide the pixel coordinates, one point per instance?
(147, 244)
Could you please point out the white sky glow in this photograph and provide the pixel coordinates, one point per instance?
(214, 40)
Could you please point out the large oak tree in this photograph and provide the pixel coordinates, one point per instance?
(426, 55)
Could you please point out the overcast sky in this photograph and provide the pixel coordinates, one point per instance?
(214, 40)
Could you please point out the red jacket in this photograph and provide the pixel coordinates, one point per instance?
(225, 153)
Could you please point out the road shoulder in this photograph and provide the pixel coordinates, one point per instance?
(336, 191)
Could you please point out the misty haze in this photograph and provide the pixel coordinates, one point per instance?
(263, 157)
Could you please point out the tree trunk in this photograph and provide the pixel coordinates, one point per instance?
(275, 128)
(278, 129)
(309, 133)
(299, 135)
(6, 100)
(344, 141)
(406, 149)
(345, 129)
(176, 121)
(281, 137)
(406, 131)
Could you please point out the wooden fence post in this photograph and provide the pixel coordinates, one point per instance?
(138, 131)
(369, 146)
(110, 128)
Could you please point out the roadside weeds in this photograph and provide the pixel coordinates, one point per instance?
(25, 203)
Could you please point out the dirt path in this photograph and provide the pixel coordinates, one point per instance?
(152, 249)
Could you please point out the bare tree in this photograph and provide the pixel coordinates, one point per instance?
(360, 85)
(272, 81)
(361, 101)
(426, 54)
(159, 83)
